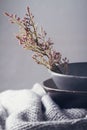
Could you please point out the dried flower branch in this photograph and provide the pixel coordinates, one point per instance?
(31, 39)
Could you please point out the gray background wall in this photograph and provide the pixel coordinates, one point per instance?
(65, 21)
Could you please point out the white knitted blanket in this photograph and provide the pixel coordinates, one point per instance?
(35, 110)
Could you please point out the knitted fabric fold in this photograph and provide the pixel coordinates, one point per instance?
(28, 110)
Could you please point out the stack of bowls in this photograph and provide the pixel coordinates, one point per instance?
(69, 90)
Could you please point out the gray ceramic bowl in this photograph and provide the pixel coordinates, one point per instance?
(76, 80)
(66, 98)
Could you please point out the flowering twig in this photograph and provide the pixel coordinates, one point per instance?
(31, 39)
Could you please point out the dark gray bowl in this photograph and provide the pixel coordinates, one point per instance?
(76, 79)
(66, 98)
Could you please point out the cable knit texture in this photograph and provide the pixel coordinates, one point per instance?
(28, 110)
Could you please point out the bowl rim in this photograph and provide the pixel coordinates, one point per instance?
(64, 91)
(69, 76)
(52, 89)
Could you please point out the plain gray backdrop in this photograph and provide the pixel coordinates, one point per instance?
(65, 22)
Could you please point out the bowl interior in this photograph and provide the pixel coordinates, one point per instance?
(78, 69)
